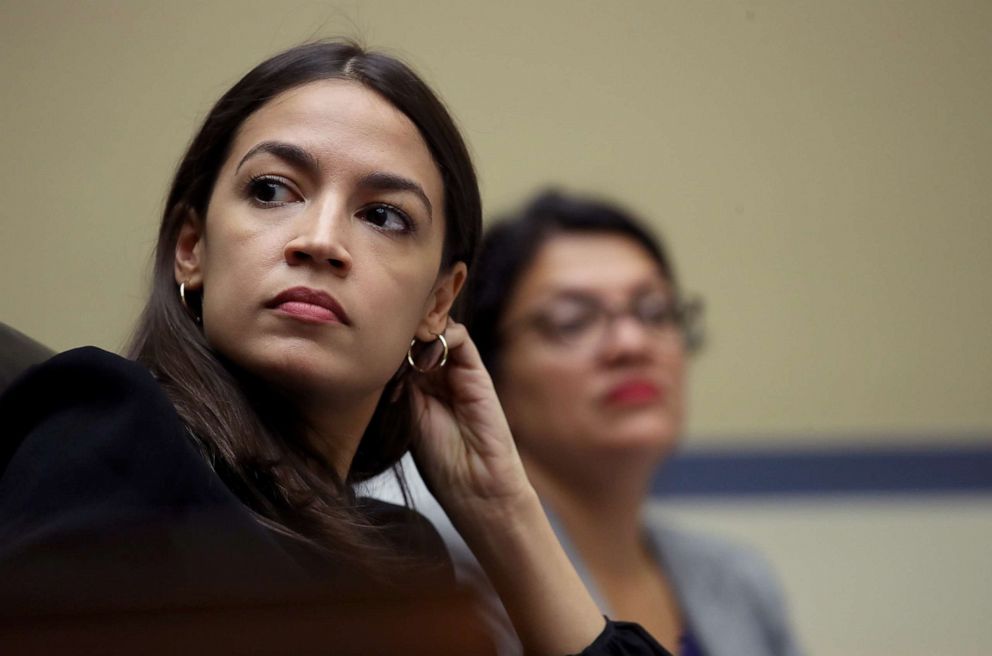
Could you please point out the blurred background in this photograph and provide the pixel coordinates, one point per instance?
(821, 171)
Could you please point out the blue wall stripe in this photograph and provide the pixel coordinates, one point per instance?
(902, 471)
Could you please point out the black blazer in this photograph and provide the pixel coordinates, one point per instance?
(106, 503)
(17, 353)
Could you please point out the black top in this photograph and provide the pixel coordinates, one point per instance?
(107, 505)
(17, 353)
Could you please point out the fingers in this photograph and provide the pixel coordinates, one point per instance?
(461, 349)
(463, 378)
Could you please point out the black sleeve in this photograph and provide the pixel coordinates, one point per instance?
(624, 639)
(104, 501)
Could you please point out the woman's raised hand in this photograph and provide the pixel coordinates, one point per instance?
(467, 456)
(465, 451)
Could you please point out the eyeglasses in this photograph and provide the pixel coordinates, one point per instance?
(579, 321)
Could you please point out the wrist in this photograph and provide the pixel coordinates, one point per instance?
(511, 537)
(504, 513)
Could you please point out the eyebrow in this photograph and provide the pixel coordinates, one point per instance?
(381, 181)
(565, 293)
(378, 181)
(284, 151)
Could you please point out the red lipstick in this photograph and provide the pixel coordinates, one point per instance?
(309, 305)
(635, 391)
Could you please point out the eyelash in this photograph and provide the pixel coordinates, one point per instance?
(254, 183)
(409, 225)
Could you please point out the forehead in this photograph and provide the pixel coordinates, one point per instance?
(346, 126)
(600, 263)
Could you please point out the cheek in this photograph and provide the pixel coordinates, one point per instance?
(539, 393)
(391, 319)
(235, 255)
(391, 300)
(234, 267)
(395, 293)
(676, 367)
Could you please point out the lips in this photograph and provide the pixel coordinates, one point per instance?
(633, 392)
(309, 305)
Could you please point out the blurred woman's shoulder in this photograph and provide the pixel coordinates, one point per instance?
(727, 561)
(729, 590)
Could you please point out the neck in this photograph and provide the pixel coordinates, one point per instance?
(336, 429)
(332, 425)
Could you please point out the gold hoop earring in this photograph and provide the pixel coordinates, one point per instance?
(444, 355)
(182, 298)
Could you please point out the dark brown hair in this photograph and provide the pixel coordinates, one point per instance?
(257, 446)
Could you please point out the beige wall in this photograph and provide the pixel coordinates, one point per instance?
(870, 577)
(822, 171)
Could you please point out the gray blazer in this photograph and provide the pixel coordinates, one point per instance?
(729, 596)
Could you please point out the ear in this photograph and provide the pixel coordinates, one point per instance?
(443, 296)
(189, 252)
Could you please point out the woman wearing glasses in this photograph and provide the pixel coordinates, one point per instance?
(580, 320)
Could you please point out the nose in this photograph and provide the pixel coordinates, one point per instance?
(626, 339)
(321, 236)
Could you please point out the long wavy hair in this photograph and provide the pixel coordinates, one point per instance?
(256, 445)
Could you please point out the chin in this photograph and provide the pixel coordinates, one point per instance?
(645, 435)
(292, 368)
(642, 443)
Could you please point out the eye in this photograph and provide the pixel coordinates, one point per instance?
(656, 310)
(268, 191)
(568, 321)
(387, 218)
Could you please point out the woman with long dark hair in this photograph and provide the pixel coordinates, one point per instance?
(300, 336)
